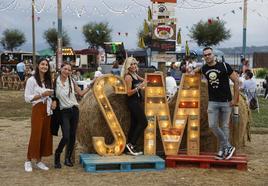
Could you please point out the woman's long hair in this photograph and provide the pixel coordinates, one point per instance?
(127, 64)
(47, 75)
(69, 78)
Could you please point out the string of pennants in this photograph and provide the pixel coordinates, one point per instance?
(72, 7)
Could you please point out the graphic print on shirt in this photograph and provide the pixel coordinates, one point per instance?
(213, 78)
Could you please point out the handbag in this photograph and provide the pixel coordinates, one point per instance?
(56, 119)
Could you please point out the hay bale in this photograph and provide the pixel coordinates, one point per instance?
(92, 123)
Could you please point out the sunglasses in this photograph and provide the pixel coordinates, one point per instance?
(209, 54)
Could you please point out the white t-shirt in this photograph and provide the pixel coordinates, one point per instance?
(33, 89)
(249, 84)
(62, 93)
(171, 85)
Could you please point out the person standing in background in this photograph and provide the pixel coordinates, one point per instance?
(115, 70)
(20, 68)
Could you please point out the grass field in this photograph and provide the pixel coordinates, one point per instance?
(14, 107)
(261, 119)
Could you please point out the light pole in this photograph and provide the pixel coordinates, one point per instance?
(245, 28)
(33, 33)
(59, 40)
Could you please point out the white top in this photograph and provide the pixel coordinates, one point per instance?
(98, 74)
(62, 93)
(20, 67)
(249, 84)
(33, 89)
(171, 86)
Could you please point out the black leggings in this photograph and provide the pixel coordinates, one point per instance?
(138, 121)
(69, 125)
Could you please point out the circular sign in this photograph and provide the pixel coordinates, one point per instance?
(163, 32)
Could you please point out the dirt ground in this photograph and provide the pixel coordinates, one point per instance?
(14, 136)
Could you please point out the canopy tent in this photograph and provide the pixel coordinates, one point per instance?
(46, 53)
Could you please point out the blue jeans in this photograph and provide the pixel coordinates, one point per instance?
(220, 111)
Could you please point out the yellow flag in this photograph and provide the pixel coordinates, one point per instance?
(145, 28)
(179, 37)
(187, 49)
(141, 42)
(149, 14)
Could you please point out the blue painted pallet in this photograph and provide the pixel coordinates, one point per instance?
(123, 163)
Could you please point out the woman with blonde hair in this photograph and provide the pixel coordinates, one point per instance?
(138, 119)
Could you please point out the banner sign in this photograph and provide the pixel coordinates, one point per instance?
(164, 32)
(164, 1)
(167, 9)
(161, 46)
(164, 58)
(167, 21)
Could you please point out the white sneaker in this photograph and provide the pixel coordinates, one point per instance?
(41, 166)
(28, 166)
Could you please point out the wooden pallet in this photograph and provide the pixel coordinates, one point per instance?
(206, 160)
(124, 163)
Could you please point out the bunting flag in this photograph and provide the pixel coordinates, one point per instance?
(141, 43)
(179, 37)
(113, 48)
(187, 50)
(145, 27)
(150, 17)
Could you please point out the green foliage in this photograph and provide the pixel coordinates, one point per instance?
(12, 39)
(51, 36)
(209, 33)
(262, 73)
(88, 75)
(260, 119)
(96, 34)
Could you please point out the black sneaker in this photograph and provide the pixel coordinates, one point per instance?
(131, 150)
(220, 155)
(229, 151)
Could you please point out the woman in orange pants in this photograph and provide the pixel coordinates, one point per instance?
(38, 91)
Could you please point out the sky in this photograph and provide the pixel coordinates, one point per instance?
(126, 16)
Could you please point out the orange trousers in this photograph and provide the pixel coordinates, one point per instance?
(40, 143)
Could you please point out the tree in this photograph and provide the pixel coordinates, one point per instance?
(12, 39)
(96, 34)
(51, 36)
(209, 33)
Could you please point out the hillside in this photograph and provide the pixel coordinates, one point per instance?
(249, 50)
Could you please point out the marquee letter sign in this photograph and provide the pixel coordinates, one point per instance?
(119, 85)
(187, 109)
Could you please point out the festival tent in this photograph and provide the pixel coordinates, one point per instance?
(46, 53)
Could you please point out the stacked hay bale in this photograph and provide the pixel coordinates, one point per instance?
(92, 122)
